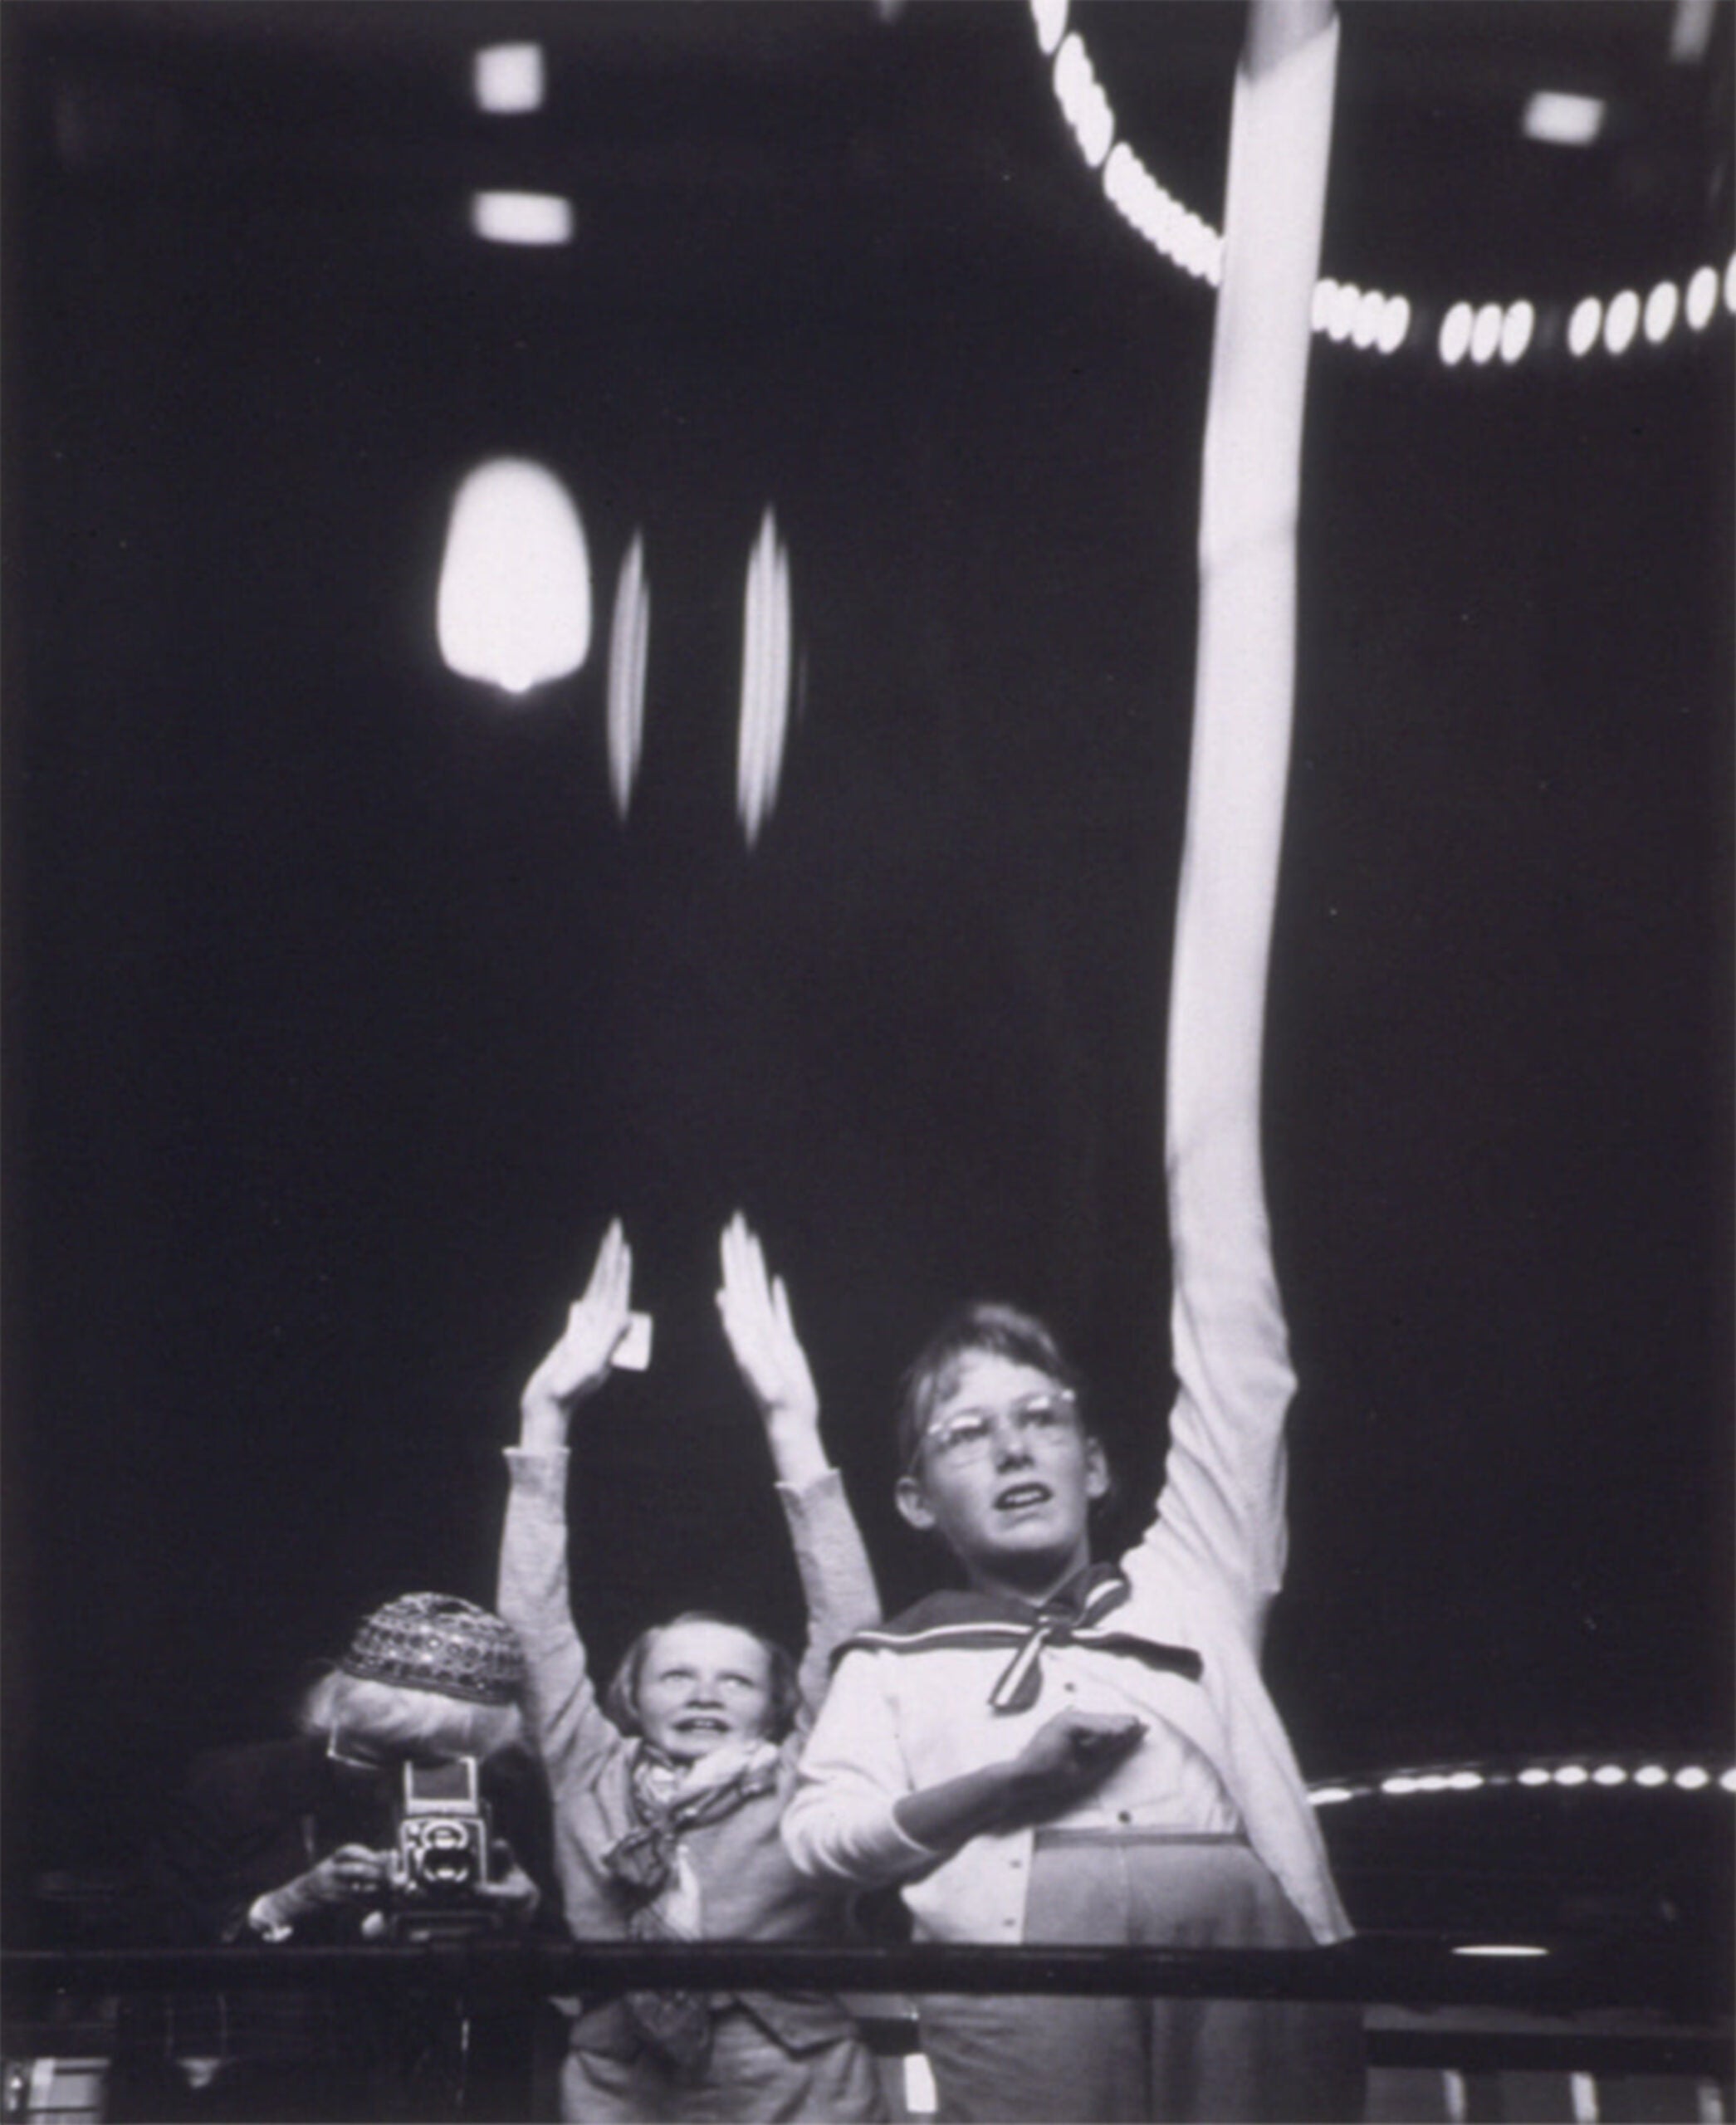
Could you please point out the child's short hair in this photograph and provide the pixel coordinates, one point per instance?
(1004, 1331)
(621, 1699)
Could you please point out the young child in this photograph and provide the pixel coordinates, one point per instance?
(1066, 1753)
(668, 1796)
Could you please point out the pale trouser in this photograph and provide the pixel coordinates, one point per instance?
(1042, 2059)
(750, 2079)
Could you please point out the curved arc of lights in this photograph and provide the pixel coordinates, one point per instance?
(1615, 1768)
(1370, 320)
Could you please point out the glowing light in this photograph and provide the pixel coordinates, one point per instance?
(1341, 316)
(1082, 100)
(1561, 120)
(1582, 2092)
(1729, 285)
(1432, 1781)
(1651, 1774)
(1536, 1775)
(1329, 1796)
(1584, 325)
(508, 78)
(1691, 1778)
(1486, 332)
(629, 637)
(1609, 1774)
(1572, 1774)
(515, 603)
(1455, 334)
(1660, 309)
(1399, 1783)
(765, 661)
(1622, 322)
(1499, 1948)
(1394, 324)
(1466, 1782)
(1051, 18)
(1517, 327)
(534, 218)
(1702, 298)
(1728, 1781)
(1371, 312)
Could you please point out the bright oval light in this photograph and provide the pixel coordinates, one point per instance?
(1584, 325)
(1486, 332)
(1499, 1948)
(1572, 1774)
(1399, 1783)
(533, 217)
(1728, 1781)
(1660, 309)
(1465, 1781)
(1455, 334)
(1609, 1774)
(1432, 1781)
(1096, 127)
(1690, 1778)
(1369, 312)
(1536, 1775)
(1622, 322)
(1341, 316)
(1050, 18)
(1327, 1796)
(1702, 298)
(1394, 324)
(1517, 326)
(1651, 1774)
(514, 601)
(1730, 283)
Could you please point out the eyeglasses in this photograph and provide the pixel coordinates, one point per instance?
(969, 1436)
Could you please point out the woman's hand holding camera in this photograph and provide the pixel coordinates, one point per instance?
(580, 1362)
(350, 1875)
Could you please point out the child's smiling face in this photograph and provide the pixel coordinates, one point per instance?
(1009, 1494)
(702, 1684)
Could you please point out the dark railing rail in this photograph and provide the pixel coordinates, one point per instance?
(1403, 1972)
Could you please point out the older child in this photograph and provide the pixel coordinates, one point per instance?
(1066, 1753)
(668, 1796)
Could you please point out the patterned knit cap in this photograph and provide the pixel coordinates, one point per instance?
(437, 1642)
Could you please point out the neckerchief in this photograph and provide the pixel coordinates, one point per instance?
(646, 1869)
(971, 1620)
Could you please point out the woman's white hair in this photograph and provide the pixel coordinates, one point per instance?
(392, 1719)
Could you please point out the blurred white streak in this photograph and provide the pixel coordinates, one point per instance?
(538, 217)
(765, 662)
(1690, 31)
(509, 78)
(1562, 119)
(629, 640)
(513, 609)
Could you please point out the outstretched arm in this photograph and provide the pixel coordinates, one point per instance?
(536, 1596)
(1223, 1497)
(837, 1581)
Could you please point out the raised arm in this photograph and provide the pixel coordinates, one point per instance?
(1224, 1496)
(837, 1582)
(535, 1597)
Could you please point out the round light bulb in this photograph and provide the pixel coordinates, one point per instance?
(1702, 298)
(1517, 327)
(1455, 334)
(1661, 305)
(1622, 322)
(1584, 325)
(1395, 325)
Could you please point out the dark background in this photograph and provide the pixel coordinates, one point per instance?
(342, 1012)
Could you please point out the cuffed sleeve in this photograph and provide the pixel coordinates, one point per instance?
(837, 1581)
(535, 1597)
(840, 1824)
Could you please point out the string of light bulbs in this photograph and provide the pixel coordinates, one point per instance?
(1370, 320)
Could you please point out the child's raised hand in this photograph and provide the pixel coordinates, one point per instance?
(580, 1362)
(755, 1310)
